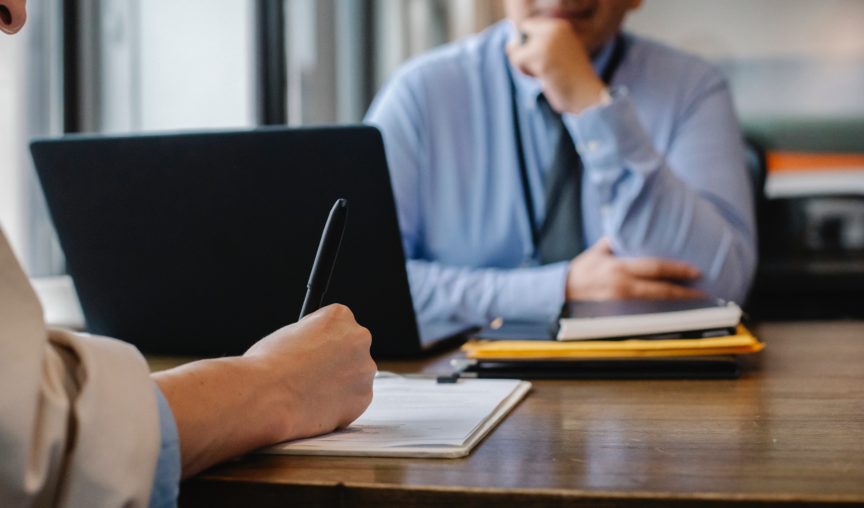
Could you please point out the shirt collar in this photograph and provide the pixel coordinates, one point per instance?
(529, 88)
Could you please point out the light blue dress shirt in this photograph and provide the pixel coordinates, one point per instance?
(664, 176)
(166, 483)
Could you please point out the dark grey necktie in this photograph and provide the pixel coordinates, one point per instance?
(560, 235)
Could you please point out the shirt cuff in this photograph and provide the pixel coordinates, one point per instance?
(610, 138)
(533, 294)
(166, 483)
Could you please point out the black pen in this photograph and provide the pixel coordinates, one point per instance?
(325, 259)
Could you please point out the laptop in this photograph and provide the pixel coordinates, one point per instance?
(201, 243)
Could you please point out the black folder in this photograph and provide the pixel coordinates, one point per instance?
(715, 367)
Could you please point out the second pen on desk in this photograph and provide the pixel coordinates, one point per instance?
(325, 258)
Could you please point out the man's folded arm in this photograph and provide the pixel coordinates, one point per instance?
(694, 206)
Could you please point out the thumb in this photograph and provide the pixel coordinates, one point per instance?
(603, 246)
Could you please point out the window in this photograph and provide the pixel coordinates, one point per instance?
(162, 65)
(117, 66)
(31, 103)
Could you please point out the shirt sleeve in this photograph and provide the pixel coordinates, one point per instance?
(166, 483)
(478, 295)
(694, 205)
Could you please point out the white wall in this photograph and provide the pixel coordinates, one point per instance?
(784, 58)
(756, 28)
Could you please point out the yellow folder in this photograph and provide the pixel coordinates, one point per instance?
(743, 342)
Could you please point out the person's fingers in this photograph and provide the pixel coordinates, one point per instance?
(655, 268)
(535, 25)
(523, 57)
(656, 290)
(527, 49)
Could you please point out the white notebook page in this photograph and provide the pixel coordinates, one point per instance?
(412, 413)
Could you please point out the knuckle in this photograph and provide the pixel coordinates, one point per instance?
(342, 312)
(650, 267)
(371, 369)
(328, 312)
(643, 292)
(363, 336)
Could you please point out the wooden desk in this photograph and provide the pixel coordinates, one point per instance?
(790, 432)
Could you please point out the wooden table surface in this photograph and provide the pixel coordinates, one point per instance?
(789, 432)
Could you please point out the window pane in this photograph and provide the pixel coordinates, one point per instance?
(176, 65)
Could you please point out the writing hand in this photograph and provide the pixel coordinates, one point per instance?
(324, 367)
(597, 274)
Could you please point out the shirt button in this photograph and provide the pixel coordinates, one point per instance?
(593, 145)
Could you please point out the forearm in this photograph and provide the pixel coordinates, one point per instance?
(477, 295)
(668, 219)
(223, 408)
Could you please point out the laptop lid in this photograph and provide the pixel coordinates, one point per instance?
(201, 243)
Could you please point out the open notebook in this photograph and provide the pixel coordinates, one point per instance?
(419, 417)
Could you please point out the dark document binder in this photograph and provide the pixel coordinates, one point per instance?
(725, 367)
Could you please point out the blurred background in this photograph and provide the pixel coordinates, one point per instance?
(796, 68)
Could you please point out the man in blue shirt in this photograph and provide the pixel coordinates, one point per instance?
(480, 137)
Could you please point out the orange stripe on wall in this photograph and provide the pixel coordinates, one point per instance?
(804, 161)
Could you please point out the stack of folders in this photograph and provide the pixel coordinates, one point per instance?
(701, 338)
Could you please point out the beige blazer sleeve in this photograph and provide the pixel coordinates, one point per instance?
(79, 423)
